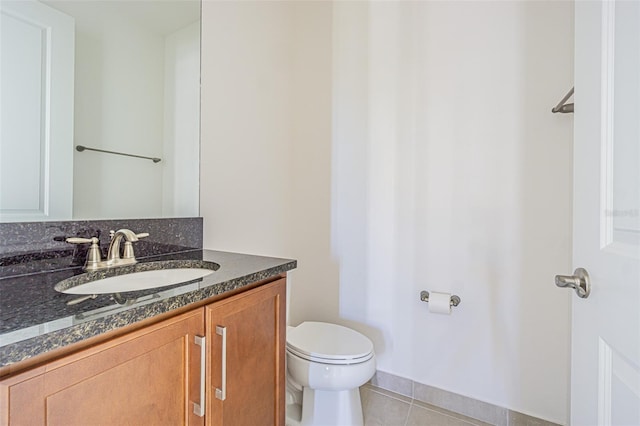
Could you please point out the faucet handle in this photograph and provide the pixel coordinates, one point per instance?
(94, 257)
(79, 240)
(128, 246)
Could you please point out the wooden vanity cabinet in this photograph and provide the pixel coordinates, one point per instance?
(151, 376)
(246, 340)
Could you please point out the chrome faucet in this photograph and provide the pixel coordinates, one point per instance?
(94, 260)
(113, 255)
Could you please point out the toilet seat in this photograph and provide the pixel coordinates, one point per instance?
(328, 343)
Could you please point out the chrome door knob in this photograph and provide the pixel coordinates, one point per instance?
(579, 281)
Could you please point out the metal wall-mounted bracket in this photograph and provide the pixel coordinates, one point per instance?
(455, 300)
(562, 106)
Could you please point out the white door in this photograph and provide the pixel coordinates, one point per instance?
(36, 112)
(605, 360)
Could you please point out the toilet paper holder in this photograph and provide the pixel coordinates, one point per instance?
(455, 300)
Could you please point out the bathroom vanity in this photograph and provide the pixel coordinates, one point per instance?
(205, 352)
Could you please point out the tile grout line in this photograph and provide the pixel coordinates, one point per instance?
(414, 403)
(472, 421)
(391, 396)
(413, 394)
(406, 421)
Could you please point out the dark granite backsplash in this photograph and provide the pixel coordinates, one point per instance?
(35, 247)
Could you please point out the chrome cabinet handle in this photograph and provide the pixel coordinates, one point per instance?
(579, 281)
(221, 394)
(198, 409)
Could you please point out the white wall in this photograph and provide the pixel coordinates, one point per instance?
(266, 139)
(465, 183)
(118, 107)
(395, 147)
(181, 147)
(246, 126)
(138, 92)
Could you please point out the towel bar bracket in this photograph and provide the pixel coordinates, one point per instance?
(563, 107)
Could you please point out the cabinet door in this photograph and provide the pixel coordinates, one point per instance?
(254, 325)
(148, 377)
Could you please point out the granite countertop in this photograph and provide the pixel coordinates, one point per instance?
(35, 318)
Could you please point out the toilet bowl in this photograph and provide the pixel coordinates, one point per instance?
(326, 365)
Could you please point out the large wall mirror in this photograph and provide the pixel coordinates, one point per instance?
(109, 75)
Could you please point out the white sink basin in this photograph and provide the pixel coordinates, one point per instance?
(139, 281)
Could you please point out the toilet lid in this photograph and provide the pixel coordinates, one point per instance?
(328, 342)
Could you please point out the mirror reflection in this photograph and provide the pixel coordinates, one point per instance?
(121, 76)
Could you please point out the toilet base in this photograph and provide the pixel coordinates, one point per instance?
(326, 408)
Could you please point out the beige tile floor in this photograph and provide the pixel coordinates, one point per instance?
(384, 408)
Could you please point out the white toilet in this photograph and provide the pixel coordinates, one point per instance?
(326, 364)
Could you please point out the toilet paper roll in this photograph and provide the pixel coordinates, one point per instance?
(440, 303)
